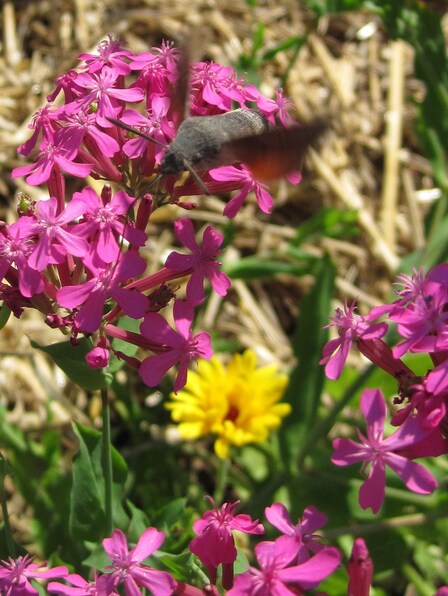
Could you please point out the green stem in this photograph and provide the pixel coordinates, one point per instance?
(107, 461)
(221, 480)
(323, 426)
(8, 534)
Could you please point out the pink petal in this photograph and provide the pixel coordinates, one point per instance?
(153, 368)
(278, 516)
(116, 545)
(148, 542)
(155, 328)
(184, 231)
(415, 476)
(372, 491)
(183, 314)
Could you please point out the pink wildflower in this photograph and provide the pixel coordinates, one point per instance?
(302, 534)
(104, 284)
(53, 155)
(181, 347)
(276, 578)
(215, 544)
(102, 585)
(350, 327)
(55, 239)
(248, 183)
(377, 453)
(15, 575)
(127, 564)
(202, 262)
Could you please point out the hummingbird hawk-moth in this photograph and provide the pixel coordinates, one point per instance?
(239, 136)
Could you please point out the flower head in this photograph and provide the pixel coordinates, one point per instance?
(214, 544)
(238, 403)
(275, 576)
(301, 535)
(180, 347)
(15, 575)
(203, 261)
(377, 453)
(127, 564)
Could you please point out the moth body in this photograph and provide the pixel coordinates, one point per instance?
(205, 142)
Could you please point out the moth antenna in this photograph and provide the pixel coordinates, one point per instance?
(151, 184)
(195, 175)
(136, 132)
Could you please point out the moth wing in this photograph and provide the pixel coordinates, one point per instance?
(180, 93)
(277, 151)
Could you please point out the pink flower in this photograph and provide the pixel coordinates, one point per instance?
(110, 53)
(102, 88)
(276, 107)
(180, 347)
(16, 573)
(215, 544)
(249, 184)
(423, 322)
(105, 220)
(360, 570)
(100, 355)
(102, 585)
(127, 563)
(301, 534)
(53, 155)
(55, 237)
(202, 262)
(377, 452)
(276, 578)
(105, 284)
(15, 250)
(350, 327)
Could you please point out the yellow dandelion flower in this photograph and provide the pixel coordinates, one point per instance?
(238, 403)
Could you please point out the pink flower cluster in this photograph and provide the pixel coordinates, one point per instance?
(294, 562)
(76, 258)
(421, 317)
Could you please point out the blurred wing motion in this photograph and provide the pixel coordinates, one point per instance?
(180, 92)
(277, 151)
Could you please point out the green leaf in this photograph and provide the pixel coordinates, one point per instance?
(255, 267)
(5, 313)
(295, 42)
(72, 360)
(322, 7)
(87, 511)
(87, 519)
(329, 222)
(307, 379)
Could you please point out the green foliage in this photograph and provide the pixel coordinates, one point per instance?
(72, 360)
(307, 379)
(87, 511)
(322, 7)
(5, 313)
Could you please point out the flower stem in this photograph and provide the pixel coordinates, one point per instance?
(7, 527)
(321, 428)
(107, 461)
(221, 480)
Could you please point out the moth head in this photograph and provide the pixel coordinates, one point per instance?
(172, 162)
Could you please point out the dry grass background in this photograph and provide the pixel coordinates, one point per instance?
(348, 69)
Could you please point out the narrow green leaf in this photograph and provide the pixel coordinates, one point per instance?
(307, 379)
(267, 266)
